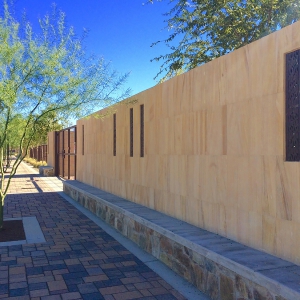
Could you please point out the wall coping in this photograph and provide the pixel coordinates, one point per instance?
(275, 274)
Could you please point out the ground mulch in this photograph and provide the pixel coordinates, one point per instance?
(12, 230)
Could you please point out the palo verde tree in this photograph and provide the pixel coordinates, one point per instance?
(203, 30)
(44, 73)
(44, 125)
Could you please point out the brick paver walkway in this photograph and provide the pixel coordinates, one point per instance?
(79, 259)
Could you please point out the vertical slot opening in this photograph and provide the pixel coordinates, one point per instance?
(131, 132)
(114, 135)
(142, 142)
(292, 108)
(82, 139)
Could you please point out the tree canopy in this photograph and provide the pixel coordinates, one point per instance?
(201, 30)
(44, 75)
(49, 122)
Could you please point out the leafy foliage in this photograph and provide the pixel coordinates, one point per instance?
(34, 162)
(202, 30)
(49, 122)
(46, 77)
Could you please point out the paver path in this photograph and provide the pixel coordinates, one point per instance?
(79, 259)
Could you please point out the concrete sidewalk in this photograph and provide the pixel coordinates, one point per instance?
(79, 260)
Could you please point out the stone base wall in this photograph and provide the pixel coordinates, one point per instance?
(212, 277)
(46, 171)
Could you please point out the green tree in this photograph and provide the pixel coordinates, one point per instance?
(49, 122)
(44, 125)
(14, 133)
(203, 30)
(45, 73)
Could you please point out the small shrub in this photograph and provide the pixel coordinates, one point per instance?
(34, 162)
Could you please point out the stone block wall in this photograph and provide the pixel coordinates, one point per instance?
(213, 148)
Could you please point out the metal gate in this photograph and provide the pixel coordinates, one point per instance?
(65, 145)
(39, 153)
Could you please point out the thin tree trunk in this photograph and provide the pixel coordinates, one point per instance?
(1, 188)
(7, 157)
(1, 211)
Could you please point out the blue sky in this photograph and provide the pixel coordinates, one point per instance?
(120, 30)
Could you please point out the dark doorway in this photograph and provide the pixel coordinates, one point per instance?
(65, 145)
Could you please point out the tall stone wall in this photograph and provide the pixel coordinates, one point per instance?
(213, 145)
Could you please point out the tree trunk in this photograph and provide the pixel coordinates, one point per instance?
(1, 211)
(7, 157)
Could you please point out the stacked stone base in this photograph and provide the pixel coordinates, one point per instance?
(46, 171)
(216, 275)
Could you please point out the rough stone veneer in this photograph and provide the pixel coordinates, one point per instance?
(46, 171)
(217, 276)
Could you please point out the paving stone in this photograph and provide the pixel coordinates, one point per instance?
(165, 297)
(16, 270)
(92, 296)
(143, 285)
(87, 288)
(72, 261)
(108, 283)
(109, 297)
(94, 270)
(34, 271)
(40, 279)
(18, 292)
(71, 296)
(78, 260)
(24, 260)
(113, 290)
(113, 274)
(76, 268)
(17, 278)
(59, 272)
(57, 285)
(19, 298)
(52, 297)
(132, 280)
(17, 285)
(39, 293)
(158, 291)
(128, 295)
(72, 281)
(74, 275)
(3, 288)
(72, 287)
(95, 278)
(54, 267)
(58, 292)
